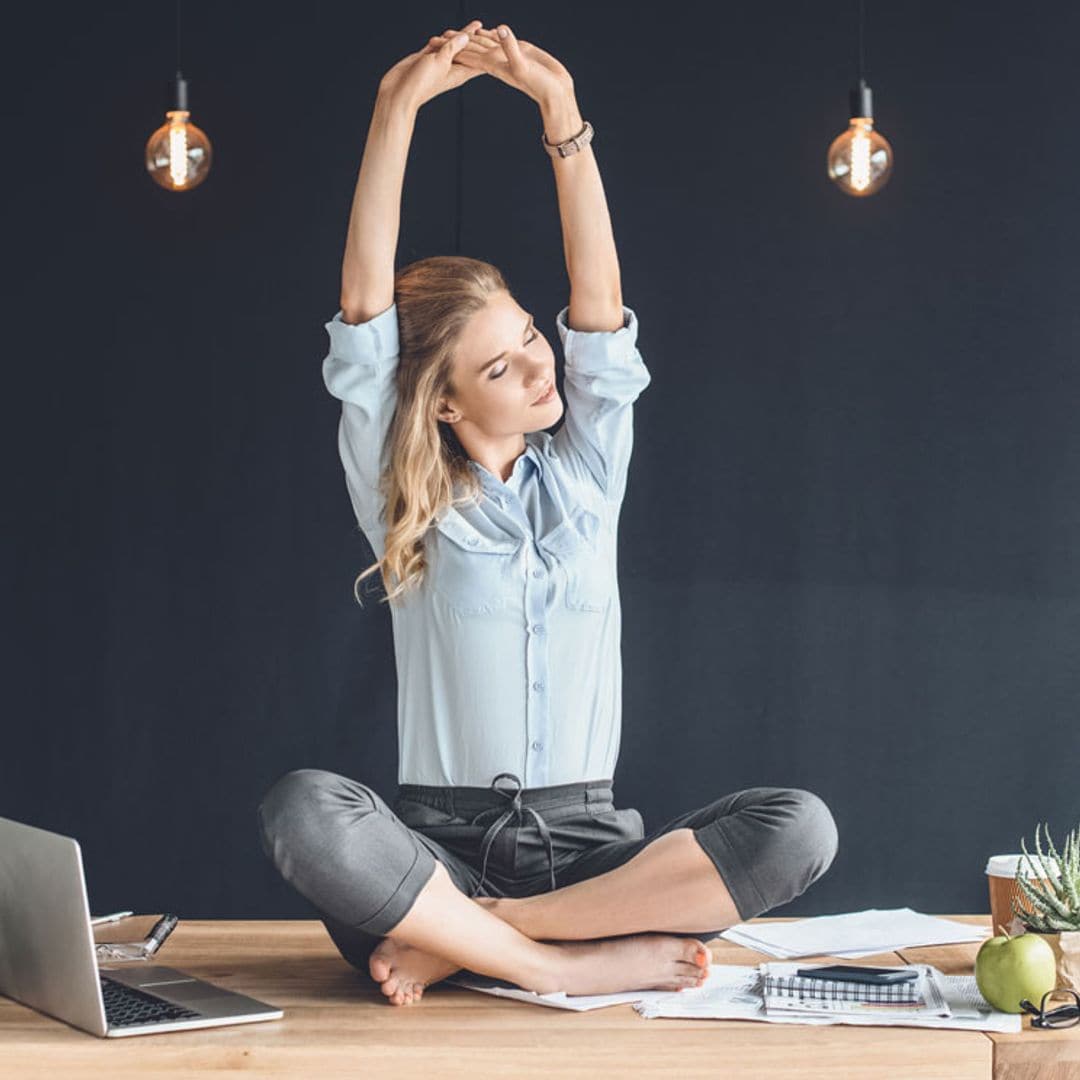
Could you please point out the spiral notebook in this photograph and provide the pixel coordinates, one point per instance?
(785, 991)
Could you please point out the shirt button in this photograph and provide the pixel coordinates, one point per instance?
(538, 628)
(538, 573)
(538, 686)
(473, 540)
(537, 745)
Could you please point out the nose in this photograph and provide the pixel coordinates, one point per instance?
(541, 377)
(541, 386)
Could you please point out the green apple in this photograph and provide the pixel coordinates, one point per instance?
(1010, 968)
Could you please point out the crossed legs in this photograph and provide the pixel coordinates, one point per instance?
(669, 885)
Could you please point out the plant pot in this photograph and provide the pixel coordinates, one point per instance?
(1066, 946)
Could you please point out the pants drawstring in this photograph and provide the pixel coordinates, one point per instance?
(514, 810)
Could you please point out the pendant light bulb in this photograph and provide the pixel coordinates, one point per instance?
(178, 154)
(860, 160)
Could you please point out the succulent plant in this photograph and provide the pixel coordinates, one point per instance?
(1056, 901)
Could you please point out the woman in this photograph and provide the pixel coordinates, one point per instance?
(503, 852)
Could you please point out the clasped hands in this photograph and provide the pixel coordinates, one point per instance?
(456, 56)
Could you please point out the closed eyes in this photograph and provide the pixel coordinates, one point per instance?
(536, 334)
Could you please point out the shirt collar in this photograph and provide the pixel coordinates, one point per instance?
(530, 452)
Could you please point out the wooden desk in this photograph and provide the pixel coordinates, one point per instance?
(337, 1023)
(1027, 1055)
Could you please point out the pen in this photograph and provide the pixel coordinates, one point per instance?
(162, 929)
(116, 916)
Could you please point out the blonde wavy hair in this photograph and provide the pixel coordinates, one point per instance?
(435, 298)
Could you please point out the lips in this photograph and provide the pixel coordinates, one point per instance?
(544, 396)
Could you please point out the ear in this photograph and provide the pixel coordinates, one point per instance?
(446, 412)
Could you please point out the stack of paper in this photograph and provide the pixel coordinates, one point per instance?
(857, 933)
(733, 992)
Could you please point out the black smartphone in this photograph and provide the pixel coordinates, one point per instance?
(851, 973)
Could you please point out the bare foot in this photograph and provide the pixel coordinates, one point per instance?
(633, 962)
(648, 961)
(404, 971)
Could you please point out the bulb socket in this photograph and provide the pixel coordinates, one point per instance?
(181, 92)
(861, 99)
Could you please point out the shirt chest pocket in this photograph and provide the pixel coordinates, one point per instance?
(588, 573)
(474, 573)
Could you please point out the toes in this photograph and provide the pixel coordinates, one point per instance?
(379, 960)
(697, 953)
(390, 986)
(692, 972)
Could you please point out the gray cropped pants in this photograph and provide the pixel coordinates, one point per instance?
(362, 863)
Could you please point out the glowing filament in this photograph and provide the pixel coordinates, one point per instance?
(860, 161)
(178, 164)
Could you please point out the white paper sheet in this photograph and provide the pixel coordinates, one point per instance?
(558, 1000)
(853, 934)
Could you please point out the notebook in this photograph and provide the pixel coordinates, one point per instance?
(785, 991)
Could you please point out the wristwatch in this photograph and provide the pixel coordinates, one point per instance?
(569, 146)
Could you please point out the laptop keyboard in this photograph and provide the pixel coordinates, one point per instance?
(125, 1006)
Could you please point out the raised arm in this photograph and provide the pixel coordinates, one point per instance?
(367, 272)
(604, 370)
(360, 367)
(588, 243)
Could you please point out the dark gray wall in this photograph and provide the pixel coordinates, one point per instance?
(850, 548)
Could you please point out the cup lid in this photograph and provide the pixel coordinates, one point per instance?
(1005, 865)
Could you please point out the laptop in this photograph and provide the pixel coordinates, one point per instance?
(48, 960)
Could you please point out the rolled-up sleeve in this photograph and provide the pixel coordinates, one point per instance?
(360, 369)
(604, 376)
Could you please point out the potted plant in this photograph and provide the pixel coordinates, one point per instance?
(1054, 895)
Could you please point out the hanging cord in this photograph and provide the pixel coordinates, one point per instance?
(862, 21)
(178, 38)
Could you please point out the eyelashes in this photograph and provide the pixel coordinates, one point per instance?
(536, 334)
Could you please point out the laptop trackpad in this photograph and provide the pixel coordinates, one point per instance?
(166, 982)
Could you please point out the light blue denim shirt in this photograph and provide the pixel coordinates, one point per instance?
(508, 657)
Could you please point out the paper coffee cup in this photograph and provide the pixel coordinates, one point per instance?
(1001, 875)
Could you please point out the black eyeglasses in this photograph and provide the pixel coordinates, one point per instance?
(1061, 1016)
